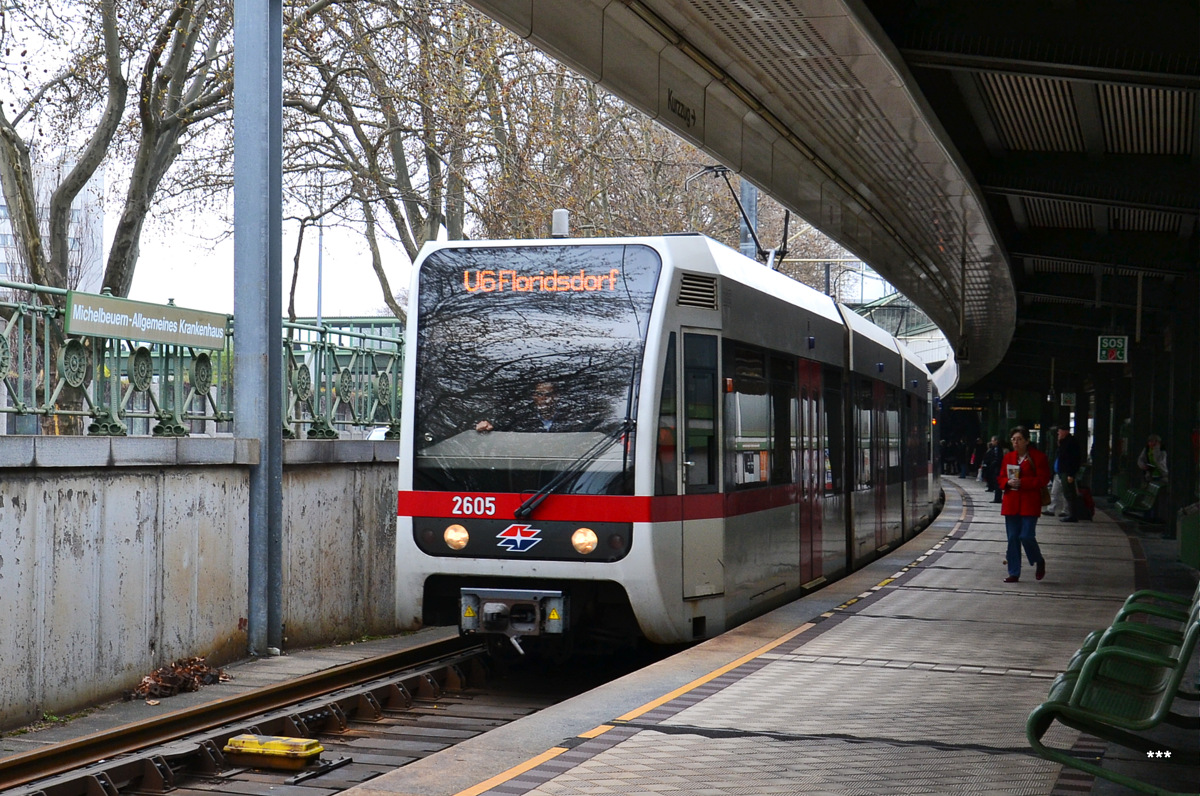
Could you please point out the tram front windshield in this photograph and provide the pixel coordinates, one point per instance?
(528, 361)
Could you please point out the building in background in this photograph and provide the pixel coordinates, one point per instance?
(85, 269)
(899, 317)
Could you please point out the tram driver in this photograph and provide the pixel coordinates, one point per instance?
(541, 413)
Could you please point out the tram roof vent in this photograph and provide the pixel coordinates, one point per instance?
(560, 223)
(696, 290)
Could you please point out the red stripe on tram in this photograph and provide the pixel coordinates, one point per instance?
(596, 508)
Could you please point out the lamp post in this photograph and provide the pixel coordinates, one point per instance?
(320, 246)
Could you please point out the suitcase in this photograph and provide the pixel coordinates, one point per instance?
(1087, 503)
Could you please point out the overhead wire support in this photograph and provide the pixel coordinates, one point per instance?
(767, 256)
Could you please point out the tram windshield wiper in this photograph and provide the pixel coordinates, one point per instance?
(525, 510)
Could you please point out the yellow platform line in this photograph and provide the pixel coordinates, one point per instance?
(515, 771)
(646, 708)
(597, 732)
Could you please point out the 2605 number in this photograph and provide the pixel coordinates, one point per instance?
(476, 506)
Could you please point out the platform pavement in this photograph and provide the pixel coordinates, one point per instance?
(914, 675)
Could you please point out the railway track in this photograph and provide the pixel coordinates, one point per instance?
(369, 717)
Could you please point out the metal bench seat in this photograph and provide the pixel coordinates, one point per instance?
(1166, 618)
(1139, 501)
(1118, 692)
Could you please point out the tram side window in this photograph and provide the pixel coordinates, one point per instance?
(664, 459)
(783, 420)
(700, 418)
(863, 414)
(919, 434)
(893, 434)
(747, 416)
(833, 432)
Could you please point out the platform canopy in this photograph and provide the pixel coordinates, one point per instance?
(1023, 171)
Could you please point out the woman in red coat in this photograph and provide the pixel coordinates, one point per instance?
(1022, 475)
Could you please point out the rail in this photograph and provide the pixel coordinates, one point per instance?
(337, 380)
(265, 708)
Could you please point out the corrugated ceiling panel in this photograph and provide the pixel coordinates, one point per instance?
(1135, 220)
(1046, 266)
(1057, 214)
(1147, 121)
(1033, 114)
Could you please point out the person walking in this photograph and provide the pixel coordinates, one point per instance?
(1066, 465)
(1023, 473)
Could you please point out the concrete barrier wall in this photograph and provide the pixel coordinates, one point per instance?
(118, 556)
(339, 540)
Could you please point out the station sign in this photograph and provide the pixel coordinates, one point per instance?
(1112, 348)
(123, 319)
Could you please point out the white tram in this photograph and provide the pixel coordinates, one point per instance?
(654, 436)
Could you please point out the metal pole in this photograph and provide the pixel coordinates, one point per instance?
(258, 300)
(749, 197)
(320, 247)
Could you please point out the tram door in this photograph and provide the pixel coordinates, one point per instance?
(812, 471)
(700, 463)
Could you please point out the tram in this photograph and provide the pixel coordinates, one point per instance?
(650, 437)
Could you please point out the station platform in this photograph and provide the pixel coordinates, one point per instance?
(912, 676)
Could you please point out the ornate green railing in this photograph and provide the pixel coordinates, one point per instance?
(337, 380)
(341, 376)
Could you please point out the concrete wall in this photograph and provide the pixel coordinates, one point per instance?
(120, 555)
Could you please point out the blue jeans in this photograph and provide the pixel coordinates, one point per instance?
(1022, 531)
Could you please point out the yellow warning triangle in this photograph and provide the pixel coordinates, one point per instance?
(554, 614)
(468, 612)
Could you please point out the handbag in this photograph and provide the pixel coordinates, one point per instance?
(1045, 490)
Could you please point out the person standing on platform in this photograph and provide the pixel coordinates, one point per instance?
(1058, 504)
(977, 451)
(1066, 465)
(1152, 461)
(1023, 473)
(991, 467)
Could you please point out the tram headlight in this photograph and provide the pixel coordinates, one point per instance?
(456, 537)
(584, 540)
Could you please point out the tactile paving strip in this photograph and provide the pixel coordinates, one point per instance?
(912, 705)
(950, 643)
(652, 762)
(1072, 615)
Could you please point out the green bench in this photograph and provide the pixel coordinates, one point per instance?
(1149, 621)
(1125, 686)
(1139, 501)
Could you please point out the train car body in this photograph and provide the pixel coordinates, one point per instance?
(648, 435)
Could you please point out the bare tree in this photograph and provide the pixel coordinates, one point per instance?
(93, 72)
(186, 81)
(178, 53)
(385, 105)
(559, 141)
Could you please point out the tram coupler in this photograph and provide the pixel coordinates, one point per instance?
(512, 612)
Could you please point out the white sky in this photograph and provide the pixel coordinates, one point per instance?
(186, 263)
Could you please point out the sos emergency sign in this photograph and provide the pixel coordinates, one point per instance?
(1113, 348)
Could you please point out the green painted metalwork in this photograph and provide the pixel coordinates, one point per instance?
(340, 376)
